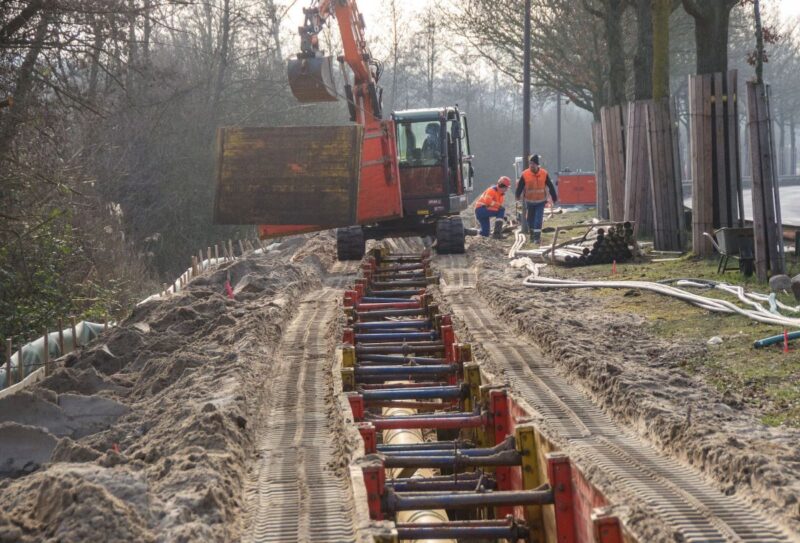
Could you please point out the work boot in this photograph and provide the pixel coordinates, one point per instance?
(498, 229)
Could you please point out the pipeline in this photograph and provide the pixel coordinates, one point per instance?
(407, 378)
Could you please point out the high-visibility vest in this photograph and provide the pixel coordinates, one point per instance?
(535, 185)
(491, 198)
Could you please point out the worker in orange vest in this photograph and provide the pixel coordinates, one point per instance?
(490, 204)
(534, 183)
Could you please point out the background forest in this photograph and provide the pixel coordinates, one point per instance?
(109, 111)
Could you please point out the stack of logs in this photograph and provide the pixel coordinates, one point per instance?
(612, 245)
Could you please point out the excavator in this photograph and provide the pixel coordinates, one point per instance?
(406, 175)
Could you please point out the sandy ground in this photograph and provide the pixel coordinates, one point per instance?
(638, 379)
(146, 434)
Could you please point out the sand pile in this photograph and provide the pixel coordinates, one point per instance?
(638, 378)
(145, 434)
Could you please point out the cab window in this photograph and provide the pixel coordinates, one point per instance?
(419, 144)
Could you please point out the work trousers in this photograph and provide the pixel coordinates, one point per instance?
(535, 218)
(483, 215)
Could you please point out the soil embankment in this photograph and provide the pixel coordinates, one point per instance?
(147, 433)
(638, 379)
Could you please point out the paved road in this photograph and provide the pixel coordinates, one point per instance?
(790, 205)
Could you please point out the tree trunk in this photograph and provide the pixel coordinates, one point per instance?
(643, 59)
(222, 65)
(130, 71)
(276, 30)
(782, 149)
(97, 46)
(711, 36)
(616, 51)
(147, 31)
(10, 123)
(660, 49)
(395, 51)
(793, 149)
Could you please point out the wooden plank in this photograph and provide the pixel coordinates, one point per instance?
(732, 142)
(288, 175)
(638, 205)
(677, 172)
(772, 197)
(759, 227)
(722, 174)
(600, 171)
(613, 143)
(664, 193)
(702, 189)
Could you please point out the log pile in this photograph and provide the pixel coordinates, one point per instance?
(612, 245)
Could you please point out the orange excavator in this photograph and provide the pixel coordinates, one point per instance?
(409, 175)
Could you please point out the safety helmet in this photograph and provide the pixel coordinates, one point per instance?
(432, 128)
(504, 182)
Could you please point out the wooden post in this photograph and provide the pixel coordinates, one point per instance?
(200, 259)
(614, 152)
(638, 202)
(766, 201)
(601, 190)
(194, 265)
(216, 251)
(21, 362)
(48, 367)
(9, 352)
(230, 249)
(105, 323)
(700, 143)
(74, 333)
(60, 337)
(208, 254)
(241, 247)
(665, 186)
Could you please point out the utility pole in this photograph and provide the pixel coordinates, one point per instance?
(526, 102)
(558, 133)
(526, 88)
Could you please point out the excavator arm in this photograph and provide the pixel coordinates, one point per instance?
(302, 179)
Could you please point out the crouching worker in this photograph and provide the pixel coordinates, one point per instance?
(490, 204)
(535, 183)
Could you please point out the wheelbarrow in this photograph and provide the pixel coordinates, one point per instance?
(734, 243)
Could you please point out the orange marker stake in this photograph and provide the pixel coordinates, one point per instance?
(614, 267)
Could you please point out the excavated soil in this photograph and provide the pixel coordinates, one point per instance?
(156, 418)
(637, 378)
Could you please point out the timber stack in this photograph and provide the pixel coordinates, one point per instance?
(612, 245)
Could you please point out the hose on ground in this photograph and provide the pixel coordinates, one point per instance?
(711, 304)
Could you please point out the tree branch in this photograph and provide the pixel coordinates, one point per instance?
(692, 9)
(596, 12)
(22, 18)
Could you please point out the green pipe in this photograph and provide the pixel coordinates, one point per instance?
(772, 340)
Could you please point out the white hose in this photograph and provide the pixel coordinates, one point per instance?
(759, 314)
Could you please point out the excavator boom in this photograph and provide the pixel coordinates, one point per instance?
(300, 179)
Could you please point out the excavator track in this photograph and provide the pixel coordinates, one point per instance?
(293, 493)
(678, 495)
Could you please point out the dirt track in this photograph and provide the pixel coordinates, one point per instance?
(602, 393)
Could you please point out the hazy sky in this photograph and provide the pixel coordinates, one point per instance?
(372, 8)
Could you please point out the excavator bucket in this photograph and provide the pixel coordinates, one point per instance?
(295, 176)
(311, 79)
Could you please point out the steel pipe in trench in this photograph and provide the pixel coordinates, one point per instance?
(405, 436)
